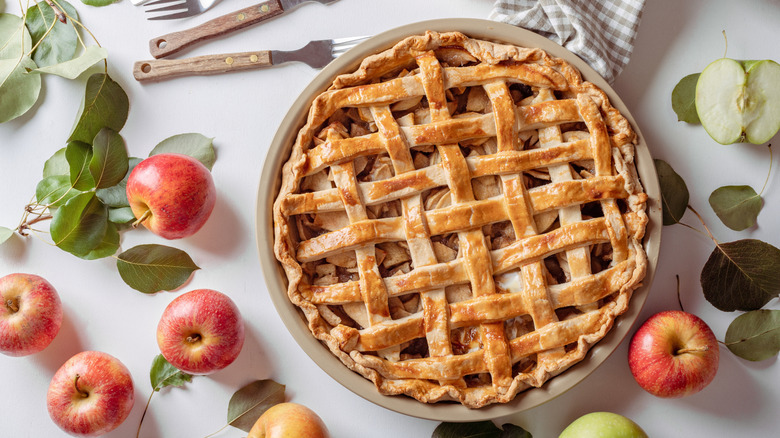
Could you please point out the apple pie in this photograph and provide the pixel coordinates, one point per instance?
(461, 220)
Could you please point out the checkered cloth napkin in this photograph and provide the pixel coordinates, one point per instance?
(601, 32)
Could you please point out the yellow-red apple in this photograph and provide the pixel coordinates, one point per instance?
(30, 314)
(673, 354)
(201, 332)
(171, 194)
(289, 420)
(91, 394)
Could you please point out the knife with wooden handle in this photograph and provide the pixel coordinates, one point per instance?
(173, 42)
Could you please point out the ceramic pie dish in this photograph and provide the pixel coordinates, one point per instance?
(457, 219)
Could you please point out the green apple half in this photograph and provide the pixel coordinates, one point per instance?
(739, 100)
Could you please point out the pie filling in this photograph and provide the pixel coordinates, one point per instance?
(460, 220)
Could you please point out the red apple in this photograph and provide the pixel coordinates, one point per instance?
(673, 354)
(201, 332)
(171, 194)
(30, 314)
(91, 394)
(289, 420)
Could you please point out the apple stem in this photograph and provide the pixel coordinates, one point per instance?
(13, 304)
(83, 393)
(143, 217)
(692, 350)
(193, 338)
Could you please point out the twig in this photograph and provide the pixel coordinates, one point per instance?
(57, 11)
(27, 224)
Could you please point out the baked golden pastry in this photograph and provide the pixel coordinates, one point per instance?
(461, 220)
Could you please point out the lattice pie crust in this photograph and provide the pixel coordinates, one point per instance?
(461, 220)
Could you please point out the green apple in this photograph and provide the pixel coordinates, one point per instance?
(739, 100)
(603, 425)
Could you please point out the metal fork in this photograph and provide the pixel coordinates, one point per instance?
(317, 54)
(185, 8)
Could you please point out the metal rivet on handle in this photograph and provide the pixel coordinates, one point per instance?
(264, 8)
(229, 60)
(241, 17)
(253, 58)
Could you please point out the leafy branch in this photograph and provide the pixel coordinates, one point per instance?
(244, 408)
(161, 375)
(45, 40)
(743, 275)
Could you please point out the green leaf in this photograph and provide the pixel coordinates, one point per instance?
(120, 215)
(195, 145)
(741, 275)
(108, 246)
(79, 226)
(152, 268)
(684, 99)
(512, 431)
(116, 196)
(674, 193)
(18, 90)
(248, 403)
(479, 429)
(736, 206)
(98, 2)
(164, 374)
(56, 165)
(109, 161)
(55, 191)
(5, 234)
(73, 68)
(61, 42)
(15, 39)
(755, 335)
(105, 105)
(79, 155)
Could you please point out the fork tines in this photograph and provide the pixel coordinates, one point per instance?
(178, 8)
(341, 45)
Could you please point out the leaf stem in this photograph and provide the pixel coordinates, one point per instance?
(693, 228)
(41, 40)
(86, 29)
(769, 173)
(214, 433)
(690, 207)
(679, 300)
(138, 433)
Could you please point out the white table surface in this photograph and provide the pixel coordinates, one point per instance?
(241, 111)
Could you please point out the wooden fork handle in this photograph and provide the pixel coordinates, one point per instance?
(157, 69)
(173, 42)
